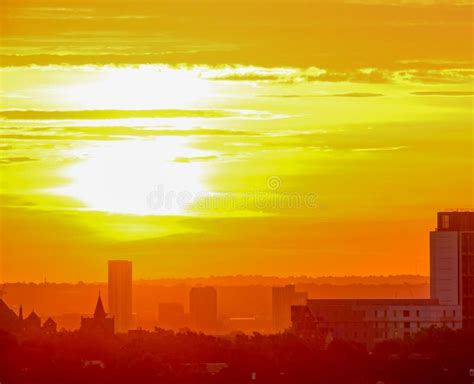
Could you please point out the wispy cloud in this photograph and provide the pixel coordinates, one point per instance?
(295, 75)
(247, 32)
(302, 95)
(379, 149)
(18, 159)
(443, 93)
(152, 132)
(193, 159)
(55, 137)
(68, 134)
(124, 114)
(357, 94)
(108, 114)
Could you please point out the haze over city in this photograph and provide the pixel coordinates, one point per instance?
(236, 191)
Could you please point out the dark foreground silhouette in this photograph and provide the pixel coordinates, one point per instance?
(431, 356)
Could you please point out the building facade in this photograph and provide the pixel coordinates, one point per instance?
(373, 320)
(203, 308)
(282, 300)
(172, 316)
(120, 294)
(452, 262)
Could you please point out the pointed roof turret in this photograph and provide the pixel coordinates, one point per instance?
(32, 321)
(99, 312)
(33, 316)
(8, 318)
(49, 322)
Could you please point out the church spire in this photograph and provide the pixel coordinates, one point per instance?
(20, 315)
(99, 312)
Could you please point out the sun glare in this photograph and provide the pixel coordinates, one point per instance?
(144, 177)
(140, 87)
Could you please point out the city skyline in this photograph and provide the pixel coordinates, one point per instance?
(300, 333)
(206, 307)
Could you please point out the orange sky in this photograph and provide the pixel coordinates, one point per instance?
(231, 137)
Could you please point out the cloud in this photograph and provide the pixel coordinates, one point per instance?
(249, 73)
(349, 94)
(358, 75)
(379, 149)
(443, 93)
(122, 114)
(55, 137)
(110, 133)
(193, 159)
(368, 75)
(248, 32)
(435, 76)
(286, 96)
(290, 75)
(249, 77)
(152, 132)
(357, 94)
(48, 137)
(19, 159)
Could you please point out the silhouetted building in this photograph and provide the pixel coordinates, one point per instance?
(282, 300)
(203, 308)
(32, 323)
(9, 321)
(171, 315)
(374, 320)
(49, 326)
(452, 262)
(120, 294)
(100, 324)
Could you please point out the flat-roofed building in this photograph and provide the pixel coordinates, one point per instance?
(373, 320)
(282, 300)
(172, 316)
(452, 262)
(203, 308)
(120, 294)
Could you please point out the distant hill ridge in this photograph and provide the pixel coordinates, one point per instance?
(237, 280)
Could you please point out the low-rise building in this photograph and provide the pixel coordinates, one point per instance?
(373, 320)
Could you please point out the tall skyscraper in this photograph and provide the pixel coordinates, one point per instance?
(452, 262)
(120, 294)
(203, 308)
(282, 300)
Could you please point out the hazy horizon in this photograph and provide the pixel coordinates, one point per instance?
(261, 279)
